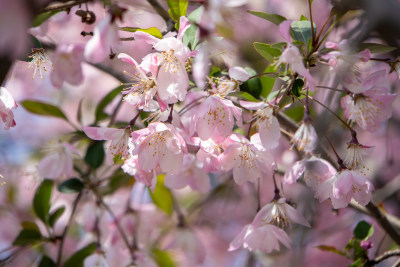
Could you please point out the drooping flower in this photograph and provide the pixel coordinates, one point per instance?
(7, 103)
(119, 139)
(40, 62)
(343, 186)
(67, 65)
(355, 155)
(191, 174)
(96, 260)
(58, 162)
(143, 87)
(159, 145)
(268, 124)
(305, 138)
(315, 170)
(248, 159)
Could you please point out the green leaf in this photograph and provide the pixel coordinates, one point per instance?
(267, 51)
(27, 237)
(70, 186)
(162, 196)
(99, 113)
(118, 180)
(274, 18)
(331, 249)
(177, 8)
(301, 31)
(46, 262)
(297, 86)
(302, 18)
(358, 263)
(244, 95)
(41, 201)
(375, 48)
(56, 215)
(267, 82)
(363, 230)
(77, 259)
(152, 31)
(295, 113)
(79, 113)
(95, 154)
(252, 86)
(39, 19)
(45, 109)
(191, 38)
(30, 226)
(162, 258)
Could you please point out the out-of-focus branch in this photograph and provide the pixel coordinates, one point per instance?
(384, 256)
(159, 9)
(62, 6)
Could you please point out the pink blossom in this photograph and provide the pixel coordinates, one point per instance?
(67, 65)
(343, 186)
(191, 174)
(268, 124)
(97, 260)
(214, 118)
(143, 88)
(264, 238)
(370, 106)
(105, 36)
(247, 159)
(305, 138)
(160, 145)
(315, 170)
(132, 167)
(7, 103)
(209, 152)
(119, 139)
(58, 162)
(355, 155)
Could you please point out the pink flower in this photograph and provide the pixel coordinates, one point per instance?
(191, 174)
(159, 145)
(305, 138)
(104, 37)
(247, 159)
(355, 155)
(264, 238)
(132, 167)
(119, 139)
(343, 186)
(67, 65)
(58, 162)
(209, 152)
(144, 87)
(214, 118)
(315, 171)
(96, 259)
(369, 107)
(7, 103)
(268, 125)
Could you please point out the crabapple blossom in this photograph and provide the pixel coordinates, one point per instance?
(40, 62)
(159, 145)
(343, 186)
(143, 88)
(132, 167)
(267, 122)
(305, 138)
(58, 162)
(119, 139)
(7, 103)
(315, 170)
(248, 159)
(67, 65)
(355, 154)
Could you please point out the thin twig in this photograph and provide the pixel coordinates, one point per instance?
(384, 256)
(62, 6)
(159, 9)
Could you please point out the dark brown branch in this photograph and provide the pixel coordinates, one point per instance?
(62, 6)
(384, 256)
(159, 9)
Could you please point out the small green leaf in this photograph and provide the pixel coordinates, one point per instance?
(39, 19)
(152, 31)
(41, 201)
(30, 226)
(267, 51)
(331, 249)
(162, 258)
(302, 18)
(45, 109)
(27, 237)
(274, 18)
(301, 31)
(375, 48)
(46, 262)
(296, 113)
(99, 113)
(56, 215)
(70, 186)
(191, 38)
(267, 82)
(118, 180)
(95, 154)
(358, 263)
(177, 9)
(162, 196)
(79, 113)
(363, 230)
(244, 95)
(297, 87)
(77, 259)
